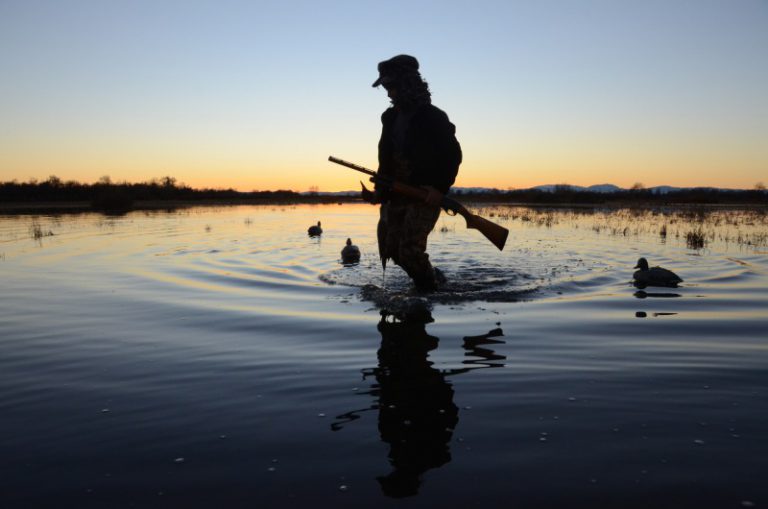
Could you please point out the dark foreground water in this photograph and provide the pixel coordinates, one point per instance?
(222, 358)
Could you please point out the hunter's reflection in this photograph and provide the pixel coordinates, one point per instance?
(417, 414)
(416, 411)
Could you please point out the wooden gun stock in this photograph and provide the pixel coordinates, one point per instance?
(493, 232)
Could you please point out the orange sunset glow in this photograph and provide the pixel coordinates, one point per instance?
(257, 98)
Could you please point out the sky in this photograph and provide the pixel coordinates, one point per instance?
(255, 95)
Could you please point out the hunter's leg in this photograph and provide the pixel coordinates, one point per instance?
(390, 230)
(419, 221)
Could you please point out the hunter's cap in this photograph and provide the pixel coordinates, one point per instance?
(390, 70)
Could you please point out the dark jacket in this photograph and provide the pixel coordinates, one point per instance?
(428, 146)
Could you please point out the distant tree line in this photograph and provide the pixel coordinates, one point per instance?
(109, 195)
(106, 194)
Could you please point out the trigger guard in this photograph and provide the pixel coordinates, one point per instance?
(450, 212)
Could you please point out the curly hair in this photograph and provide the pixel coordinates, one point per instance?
(412, 91)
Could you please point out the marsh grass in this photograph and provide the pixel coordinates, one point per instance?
(696, 226)
(37, 232)
(696, 239)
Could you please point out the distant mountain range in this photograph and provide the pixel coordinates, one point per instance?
(549, 188)
(610, 188)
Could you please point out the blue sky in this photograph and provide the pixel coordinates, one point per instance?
(256, 95)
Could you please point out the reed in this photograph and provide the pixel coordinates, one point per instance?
(696, 239)
(37, 232)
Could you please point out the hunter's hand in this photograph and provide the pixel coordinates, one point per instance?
(367, 195)
(434, 197)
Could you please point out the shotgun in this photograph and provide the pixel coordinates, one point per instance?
(493, 232)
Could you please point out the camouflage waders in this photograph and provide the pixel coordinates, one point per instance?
(402, 233)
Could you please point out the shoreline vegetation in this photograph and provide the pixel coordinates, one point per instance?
(54, 195)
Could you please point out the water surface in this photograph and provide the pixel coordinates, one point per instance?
(221, 356)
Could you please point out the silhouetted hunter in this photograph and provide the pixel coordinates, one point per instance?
(418, 146)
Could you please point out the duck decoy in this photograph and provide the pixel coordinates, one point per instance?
(315, 230)
(654, 276)
(350, 253)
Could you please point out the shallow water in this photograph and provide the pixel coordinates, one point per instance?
(220, 356)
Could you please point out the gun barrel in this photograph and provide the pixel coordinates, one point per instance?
(351, 165)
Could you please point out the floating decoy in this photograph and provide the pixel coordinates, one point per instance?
(350, 253)
(315, 231)
(654, 276)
